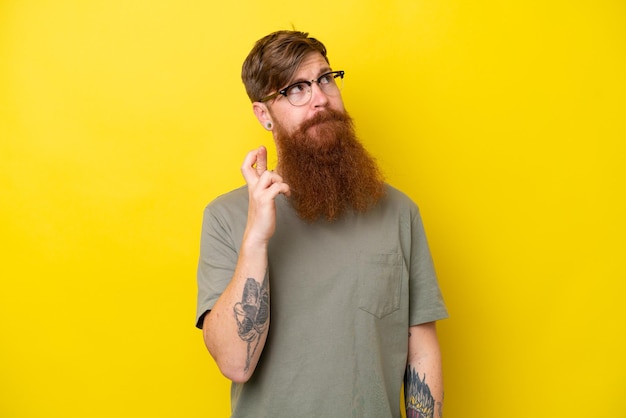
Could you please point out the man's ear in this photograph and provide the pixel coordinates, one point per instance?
(262, 113)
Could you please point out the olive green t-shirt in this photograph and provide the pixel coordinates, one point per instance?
(342, 297)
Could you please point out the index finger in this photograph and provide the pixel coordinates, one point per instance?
(258, 158)
(261, 160)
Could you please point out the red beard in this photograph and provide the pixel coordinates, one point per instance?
(327, 169)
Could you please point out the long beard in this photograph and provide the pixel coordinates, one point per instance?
(327, 169)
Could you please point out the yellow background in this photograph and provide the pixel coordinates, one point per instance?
(120, 120)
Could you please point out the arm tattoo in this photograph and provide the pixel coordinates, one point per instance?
(252, 315)
(440, 407)
(419, 402)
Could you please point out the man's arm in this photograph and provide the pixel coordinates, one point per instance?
(423, 380)
(236, 328)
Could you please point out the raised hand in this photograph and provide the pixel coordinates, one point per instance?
(235, 330)
(263, 187)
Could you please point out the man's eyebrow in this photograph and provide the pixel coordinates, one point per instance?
(321, 72)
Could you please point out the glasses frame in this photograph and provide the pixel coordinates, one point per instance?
(283, 92)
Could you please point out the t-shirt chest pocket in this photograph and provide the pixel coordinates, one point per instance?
(379, 283)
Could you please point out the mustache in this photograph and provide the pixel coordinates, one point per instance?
(328, 115)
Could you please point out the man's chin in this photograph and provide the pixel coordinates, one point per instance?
(321, 133)
(315, 132)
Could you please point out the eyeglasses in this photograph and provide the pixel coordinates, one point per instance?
(300, 94)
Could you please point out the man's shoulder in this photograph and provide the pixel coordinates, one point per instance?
(240, 193)
(398, 197)
(231, 201)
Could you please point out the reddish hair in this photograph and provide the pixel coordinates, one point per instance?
(274, 59)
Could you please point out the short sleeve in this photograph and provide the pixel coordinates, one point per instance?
(222, 232)
(425, 299)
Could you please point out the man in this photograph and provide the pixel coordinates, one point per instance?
(317, 293)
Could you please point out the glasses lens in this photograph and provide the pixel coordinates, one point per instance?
(298, 94)
(331, 83)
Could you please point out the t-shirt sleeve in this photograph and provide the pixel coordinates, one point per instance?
(426, 300)
(217, 261)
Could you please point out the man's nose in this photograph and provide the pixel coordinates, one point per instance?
(318, 97)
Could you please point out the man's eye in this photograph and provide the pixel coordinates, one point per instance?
(326, 79)
(296, 89)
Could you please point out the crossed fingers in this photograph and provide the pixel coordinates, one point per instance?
(256, 174)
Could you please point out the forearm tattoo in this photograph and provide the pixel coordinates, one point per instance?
(252, 315)
(419, 401)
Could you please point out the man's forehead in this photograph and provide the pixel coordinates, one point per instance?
(311, 67)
